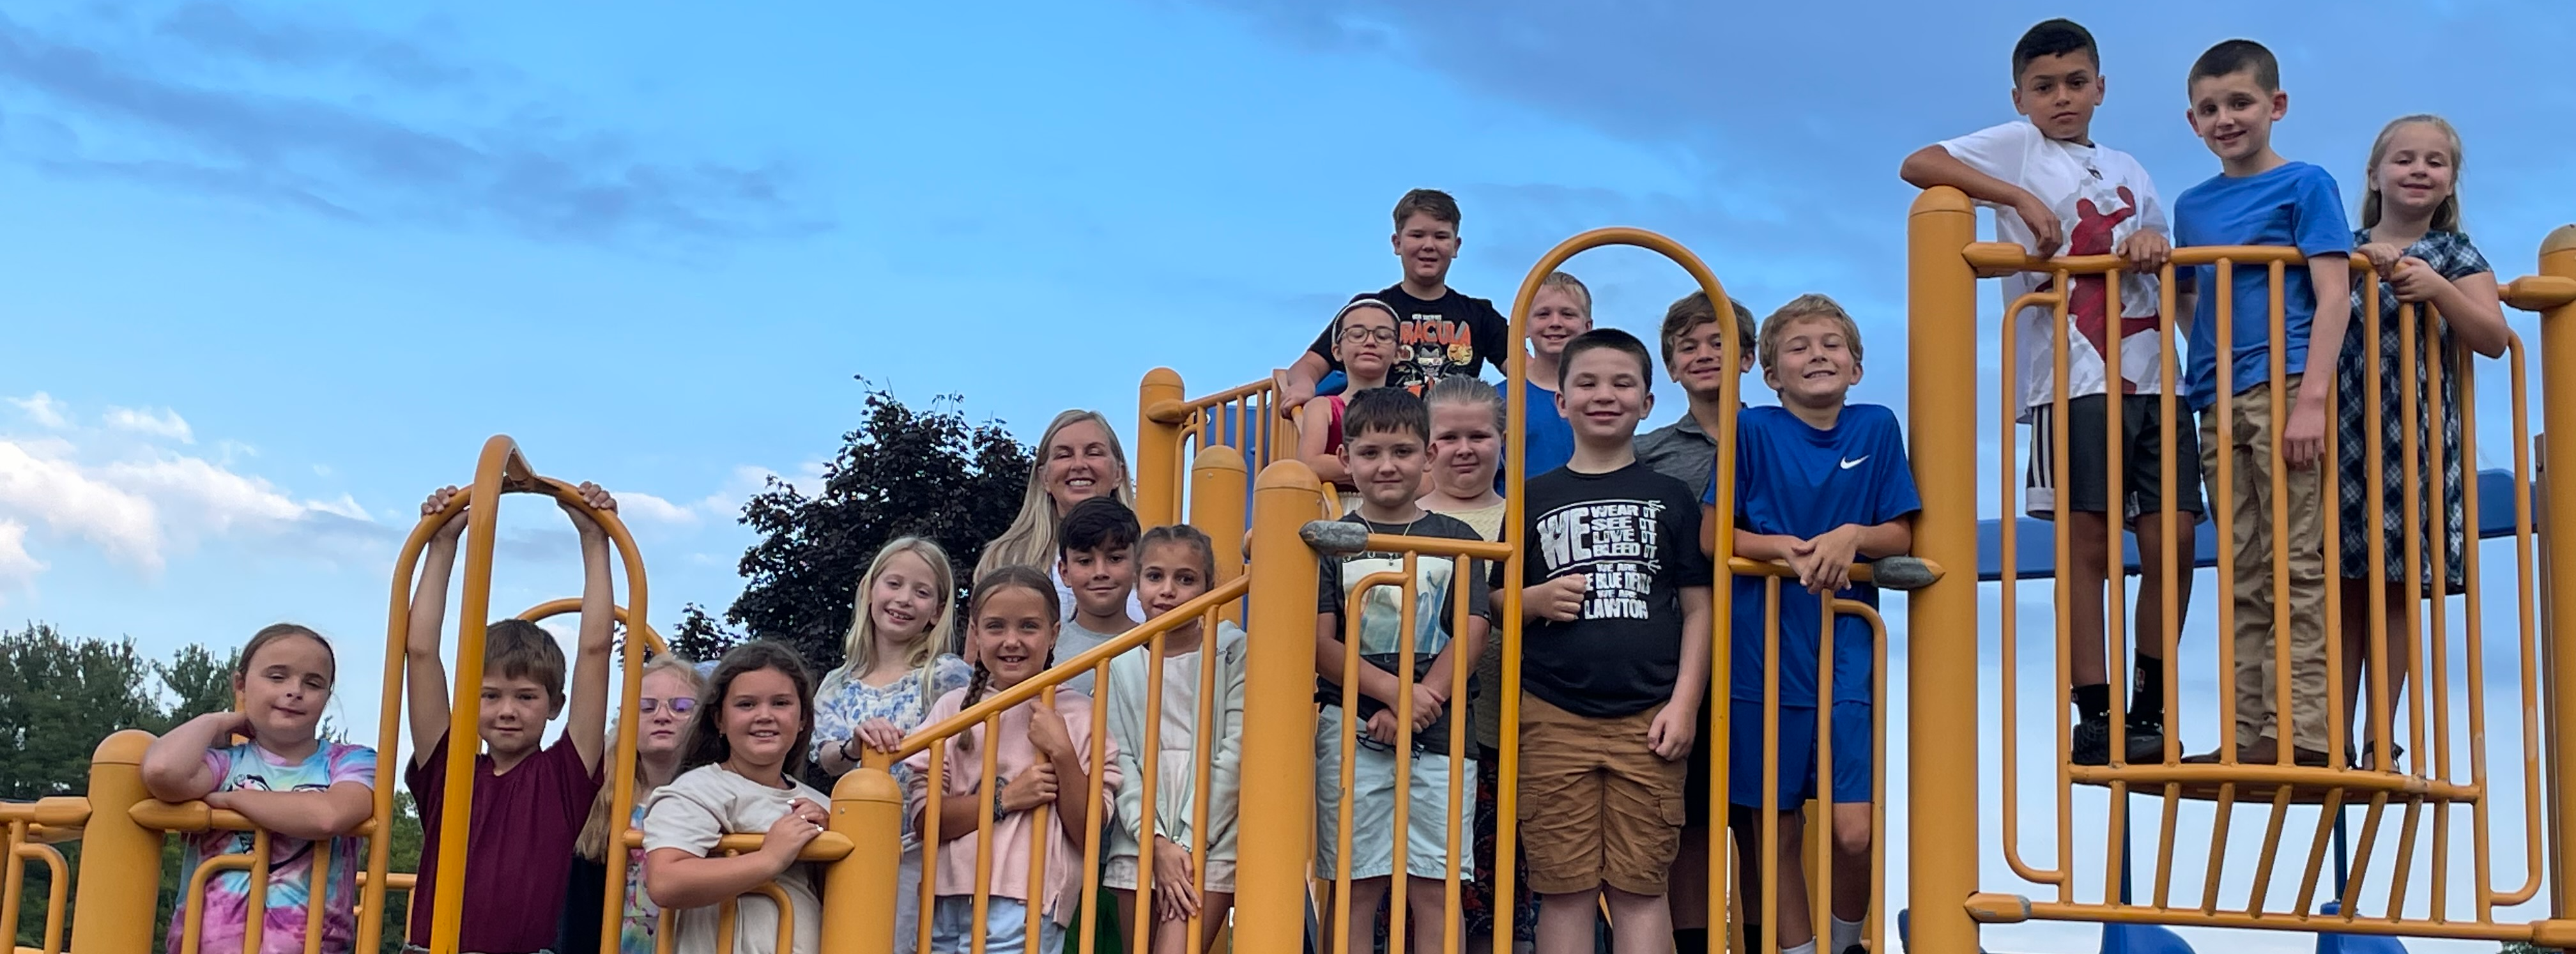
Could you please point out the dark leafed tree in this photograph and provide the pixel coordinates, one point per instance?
(58, 697)
(904, 472)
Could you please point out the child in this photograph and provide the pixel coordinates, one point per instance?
(1610, 687)
(671, 689)
(2259, 198)
(2052, 187)
(1818, 485)
(1178, 565)
(1562, 310)
(1039, 752)
(530, 800)
(1696, 357)
(1466, 455)
(1097, 559)
(2410, 232)
(895, 669)
(744, 751)
(1443, 332)
(1364, 336)
(284, 779)
(1384, 438)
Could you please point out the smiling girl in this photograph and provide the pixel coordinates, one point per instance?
(670, 692)
(1177, 565)
(1039, 754)
(2410, 234)
(739, 777)
(305, 792)
(1365, 339)
(1079, 458)
(895, 669)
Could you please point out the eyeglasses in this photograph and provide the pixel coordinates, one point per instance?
(1356, 334)
(679, 706)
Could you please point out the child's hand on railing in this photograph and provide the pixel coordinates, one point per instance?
(2146, 251)
(1033, 788)
(789, 835)
(598, 499)
(1824, 562)
(1559, 599)
(1047, 731)
(2383, 257)
(2415, 281)
(1176, 893)
(879, 734)
(455, 525)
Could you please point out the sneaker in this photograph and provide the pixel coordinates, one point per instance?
(2146, 743)
(2091, 744)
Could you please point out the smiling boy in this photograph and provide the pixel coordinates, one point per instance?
(1818, 485)
(2259, 198)
(1096, 559)
(2054, 189)
(1444, 332)
(530, 800)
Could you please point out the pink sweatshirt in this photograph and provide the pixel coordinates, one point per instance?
(962, 775)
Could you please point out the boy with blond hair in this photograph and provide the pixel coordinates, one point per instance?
(2259, 198)
(1819, 485)
(2053, 188)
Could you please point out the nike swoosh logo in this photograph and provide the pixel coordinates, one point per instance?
(1849, 464)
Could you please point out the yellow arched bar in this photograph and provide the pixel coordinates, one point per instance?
(1515, 447)
(550, 609)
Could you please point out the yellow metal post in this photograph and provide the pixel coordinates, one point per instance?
(859, 890)
(120, 859)
(1941, 729)
(1217, 484)
(2558, 416)
(500, 462)
(1158, 449)
(1278, 716)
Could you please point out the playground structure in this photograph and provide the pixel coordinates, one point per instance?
(1197, 459)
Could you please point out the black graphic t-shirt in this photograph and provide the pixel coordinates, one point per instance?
(1434, 339)
(1635, 533)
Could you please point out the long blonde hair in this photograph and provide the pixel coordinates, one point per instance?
(860, 646)
(2446, 216)
(1031, 539)
(593, 843)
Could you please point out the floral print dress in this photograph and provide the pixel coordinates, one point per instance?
(843, 702)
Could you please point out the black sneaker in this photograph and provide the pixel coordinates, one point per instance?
(1856, 949)
(2091, 742)
(2146, 743)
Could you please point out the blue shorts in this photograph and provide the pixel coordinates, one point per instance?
(1853, 754)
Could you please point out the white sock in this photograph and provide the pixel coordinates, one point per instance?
(1845, 933)
(1807, 948)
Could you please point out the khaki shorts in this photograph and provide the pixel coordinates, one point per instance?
(1597, 807)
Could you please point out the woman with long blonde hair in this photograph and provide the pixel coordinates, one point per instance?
(661, 715)
(897, 665)
(1078, 458)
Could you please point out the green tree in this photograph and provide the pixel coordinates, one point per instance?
(58, 697)
(904, 472)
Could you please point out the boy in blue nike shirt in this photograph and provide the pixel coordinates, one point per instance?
(1818, 485)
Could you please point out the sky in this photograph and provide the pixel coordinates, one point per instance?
(276, 271)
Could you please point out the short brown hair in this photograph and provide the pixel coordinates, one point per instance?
(2234, 56)
(518, 649)
(1599, 338)
(1432, 202)
(1810, 305)
(1694, 310)
(277, 631)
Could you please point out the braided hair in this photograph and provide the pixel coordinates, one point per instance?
(996, 581)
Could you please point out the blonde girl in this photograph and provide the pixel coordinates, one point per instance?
(895, 668)
(1079, 458)
(2410, 234)
(305, 792)
(1175, 565)
(1039, 754)
(660, 721)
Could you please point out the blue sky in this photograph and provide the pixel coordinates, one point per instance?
(276, 271)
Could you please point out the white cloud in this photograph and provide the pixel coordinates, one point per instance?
(42, 409)
(645, 506)
(75, 502)
(17, 568)
(162, 423)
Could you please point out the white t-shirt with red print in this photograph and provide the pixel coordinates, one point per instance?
(2101, 196)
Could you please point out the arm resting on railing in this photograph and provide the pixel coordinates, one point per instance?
(175, 769)
(312, 816)
(1824, 563)
(678, 878)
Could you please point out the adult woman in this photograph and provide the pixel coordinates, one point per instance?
(1078, 458)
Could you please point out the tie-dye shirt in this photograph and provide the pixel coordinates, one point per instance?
(247, 767)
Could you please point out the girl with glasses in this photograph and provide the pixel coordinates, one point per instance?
(661, 719)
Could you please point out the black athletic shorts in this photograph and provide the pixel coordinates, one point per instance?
(2141, 468)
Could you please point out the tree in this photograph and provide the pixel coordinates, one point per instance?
(903, 472)
(58, 697)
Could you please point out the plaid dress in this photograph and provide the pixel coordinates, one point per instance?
(2452, 257)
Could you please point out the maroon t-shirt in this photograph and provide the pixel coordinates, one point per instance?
(519, 845)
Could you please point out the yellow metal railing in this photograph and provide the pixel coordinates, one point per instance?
(1171, 429)
(1947, 903)
(28, 831)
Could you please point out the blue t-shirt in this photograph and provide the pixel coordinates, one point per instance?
(2295, 205)
(1551, 436)
(1793, 479)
